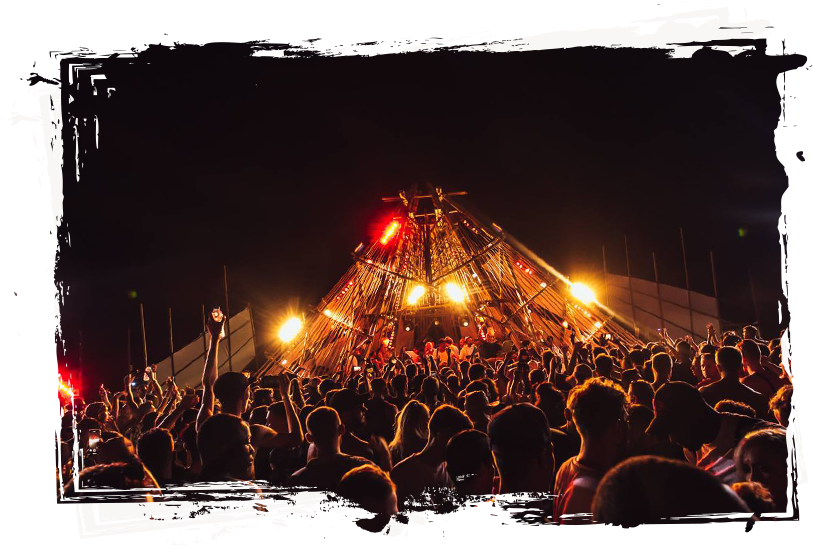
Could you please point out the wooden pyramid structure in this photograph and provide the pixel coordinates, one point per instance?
(438, 270)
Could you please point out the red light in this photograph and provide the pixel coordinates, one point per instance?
(391, 231)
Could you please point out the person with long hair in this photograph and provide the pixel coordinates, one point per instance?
(411, 431)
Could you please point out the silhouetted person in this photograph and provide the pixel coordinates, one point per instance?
(470, 463)
(729, 362)
(523, 450)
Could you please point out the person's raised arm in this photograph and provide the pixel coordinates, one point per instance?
(132, 402)
(214, 325)
(103, 397)
(169, 396)
(574, 358)
(153, 387)
(189, 401)
(266, 437)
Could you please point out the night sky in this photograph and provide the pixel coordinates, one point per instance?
(276, 168)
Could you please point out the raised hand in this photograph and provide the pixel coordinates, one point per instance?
(216, 323)
(284, 385)
(189, 401)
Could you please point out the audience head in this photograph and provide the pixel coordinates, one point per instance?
(604, 365)
(371, 488)
(708, 366)
(650, 489)
(755, 496)
(470, 464)
(523, 451)
(761, 456)
(662, 365)
(736, 407)
(231, 388)
(155, 449)
(552, 402)
(599, 411)
(729, 361)
(445, 422)
(324, 429)
(780, 404)
(680, 411)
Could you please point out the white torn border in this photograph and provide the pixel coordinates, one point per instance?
(695, 26)
(125, 518)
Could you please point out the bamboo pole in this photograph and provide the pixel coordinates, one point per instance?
(144, 336)
(606, 286)
(688, 288)
(203, 310)
(254, 337)
(658, 287)
(714, 284)
(629, 280)
(228, 314)
(753, 296)
(171, 345)
(129, 359)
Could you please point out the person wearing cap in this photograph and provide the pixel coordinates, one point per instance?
(598, 409)
(350, 407)
(708, 437)
(446, 354)
(427, 468)
(729, 362)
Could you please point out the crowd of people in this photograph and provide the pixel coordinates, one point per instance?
(616, 434)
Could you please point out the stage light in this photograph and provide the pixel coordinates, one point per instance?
(565, 324)
(407, 327)
(544, 285)
(391, 230)
(598, 325)
(417, 292)
(65, 389)
(283, 362)
(464, 322)
(583, 293)
(455, 292)
(290, 329)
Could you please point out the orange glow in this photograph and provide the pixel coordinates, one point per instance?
(391, 231)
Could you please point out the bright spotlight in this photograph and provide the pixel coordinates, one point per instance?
(455, 292)
(391, 230)
(598, 325)
(583, 293)
(290, 329)
(416, 293)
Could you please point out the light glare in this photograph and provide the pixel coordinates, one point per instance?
(417, 292)
(455, 292)
(290, 329)
(583, 293)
